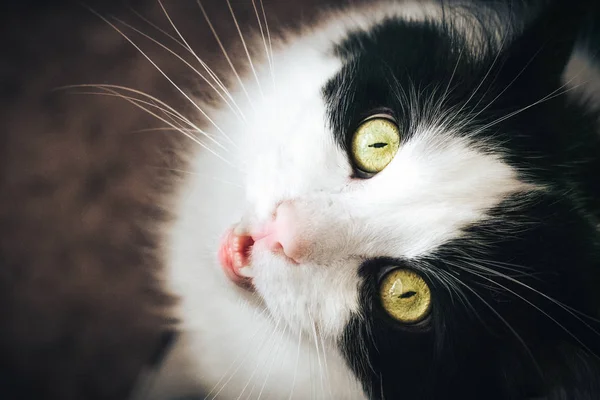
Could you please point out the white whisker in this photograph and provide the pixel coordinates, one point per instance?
(501, 318)
(189, 136)
(550, 96)
(262, 33)
(498, 51)
(214, 32)
(173, 116)
(460, 294)
(528, 302)
(503, 90)
(326, 365)
(314, 332)
(266, 342)
(522, 284)
(443, 98)
(208, 70)
(490, 69)
(237, 26)
(204, 78)
(281, 344)
(262, 7)
(235, 361)
(187, 97)
(158, 28)
(297, 363)
(167, 108)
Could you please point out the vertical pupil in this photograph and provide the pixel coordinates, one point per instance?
(378, 145)
(408, 294)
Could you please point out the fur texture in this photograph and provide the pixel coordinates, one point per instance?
(480, 210)
(492, 197)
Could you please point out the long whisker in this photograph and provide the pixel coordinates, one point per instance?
(532, 305)
(237, 26)
(157, 129)
(204, 78)
(519, 338)
(281, 345)
(186, 134)
(460, 294)
(502, 92)
(490, 69)
(243, 356)
(262, 33)
(317, 349)
(443, 98)
(447, 284)
(161, 72)
(516, 77)
(158, 28)
(363, 346)
(266, 342)
(173, 116)
(550, 96)
(297, 363)
(326, 365)
(214, 32)
(208, 70)
(262, 7)
(498, 52)
(522, 284)
(166, 108)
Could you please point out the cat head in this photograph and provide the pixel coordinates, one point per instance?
(421, 192)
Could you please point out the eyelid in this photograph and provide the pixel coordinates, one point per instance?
(387, 116)
(362, 175)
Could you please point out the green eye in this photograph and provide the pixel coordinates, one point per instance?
(375, 143)
(405, 296)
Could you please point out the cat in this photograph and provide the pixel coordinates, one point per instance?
(399, 201)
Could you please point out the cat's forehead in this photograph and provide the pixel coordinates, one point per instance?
(415, 69)
(326, 82)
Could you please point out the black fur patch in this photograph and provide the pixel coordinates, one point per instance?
(515, 300)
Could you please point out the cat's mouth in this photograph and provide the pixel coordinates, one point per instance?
(236, 248)
(234, 256)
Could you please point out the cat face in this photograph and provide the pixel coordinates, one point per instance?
(454, 265)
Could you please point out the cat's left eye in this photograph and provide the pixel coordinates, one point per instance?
(375, 143)
(405, 296)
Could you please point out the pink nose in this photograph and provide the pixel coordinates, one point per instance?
(281, 234)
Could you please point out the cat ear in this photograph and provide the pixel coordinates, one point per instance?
(538, 56)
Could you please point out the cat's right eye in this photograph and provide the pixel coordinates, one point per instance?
(375, 143)
(405, 296)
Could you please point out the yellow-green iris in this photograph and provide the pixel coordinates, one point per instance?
(375, 143)
(405, 296)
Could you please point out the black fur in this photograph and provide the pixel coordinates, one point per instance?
(516, 300)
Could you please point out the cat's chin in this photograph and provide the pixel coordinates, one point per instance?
(294, 293)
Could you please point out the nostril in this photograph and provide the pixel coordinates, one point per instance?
(266, 235)
(280, 235)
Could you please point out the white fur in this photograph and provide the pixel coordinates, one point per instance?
(437, 184)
